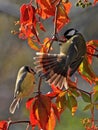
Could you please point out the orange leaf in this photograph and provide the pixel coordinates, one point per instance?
(46, 45)
(32, 44)
(56, 111)
(52, 121)
(62, 16)
(3, 125)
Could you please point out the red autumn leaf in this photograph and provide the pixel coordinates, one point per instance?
(40, 112)
(71, 83)
(55, 89)
(90, 51)
(3, 125)
(27, 21)
(95, 1)
(33, 119)
(46, 9)
(29, 103)
(62, 16)
(27, 14)
(91, 48)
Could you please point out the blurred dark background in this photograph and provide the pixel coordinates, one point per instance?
(15, 52)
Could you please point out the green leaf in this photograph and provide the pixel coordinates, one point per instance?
(95, 96)
(86, 97)
(74, 92)
(88, 107)
(72, 103)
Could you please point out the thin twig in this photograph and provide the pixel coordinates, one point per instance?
(31, 1)
(96, 55)
(93, 48)
(55, 18)
(81, 90)
(17, 122)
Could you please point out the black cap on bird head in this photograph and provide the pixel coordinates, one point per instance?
(27, 68)
(70, 33)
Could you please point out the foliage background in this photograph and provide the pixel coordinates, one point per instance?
(15, 52)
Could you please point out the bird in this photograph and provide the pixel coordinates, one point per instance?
(24, 86)
(56, 68)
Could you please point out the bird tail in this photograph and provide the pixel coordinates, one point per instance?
(14, 105)
(52, 67)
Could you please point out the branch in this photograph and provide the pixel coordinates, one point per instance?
(96, 55)
(16, 122)
(81, 90)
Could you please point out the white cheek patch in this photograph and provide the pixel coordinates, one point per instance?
(71, 33)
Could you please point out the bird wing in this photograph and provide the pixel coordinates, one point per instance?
(52, 67)
(75, 53)
(19, 80)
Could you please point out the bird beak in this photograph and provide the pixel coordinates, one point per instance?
(62, 41)
(32, 71)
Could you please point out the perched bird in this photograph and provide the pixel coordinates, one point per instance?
(56, 67)
(24, 86)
